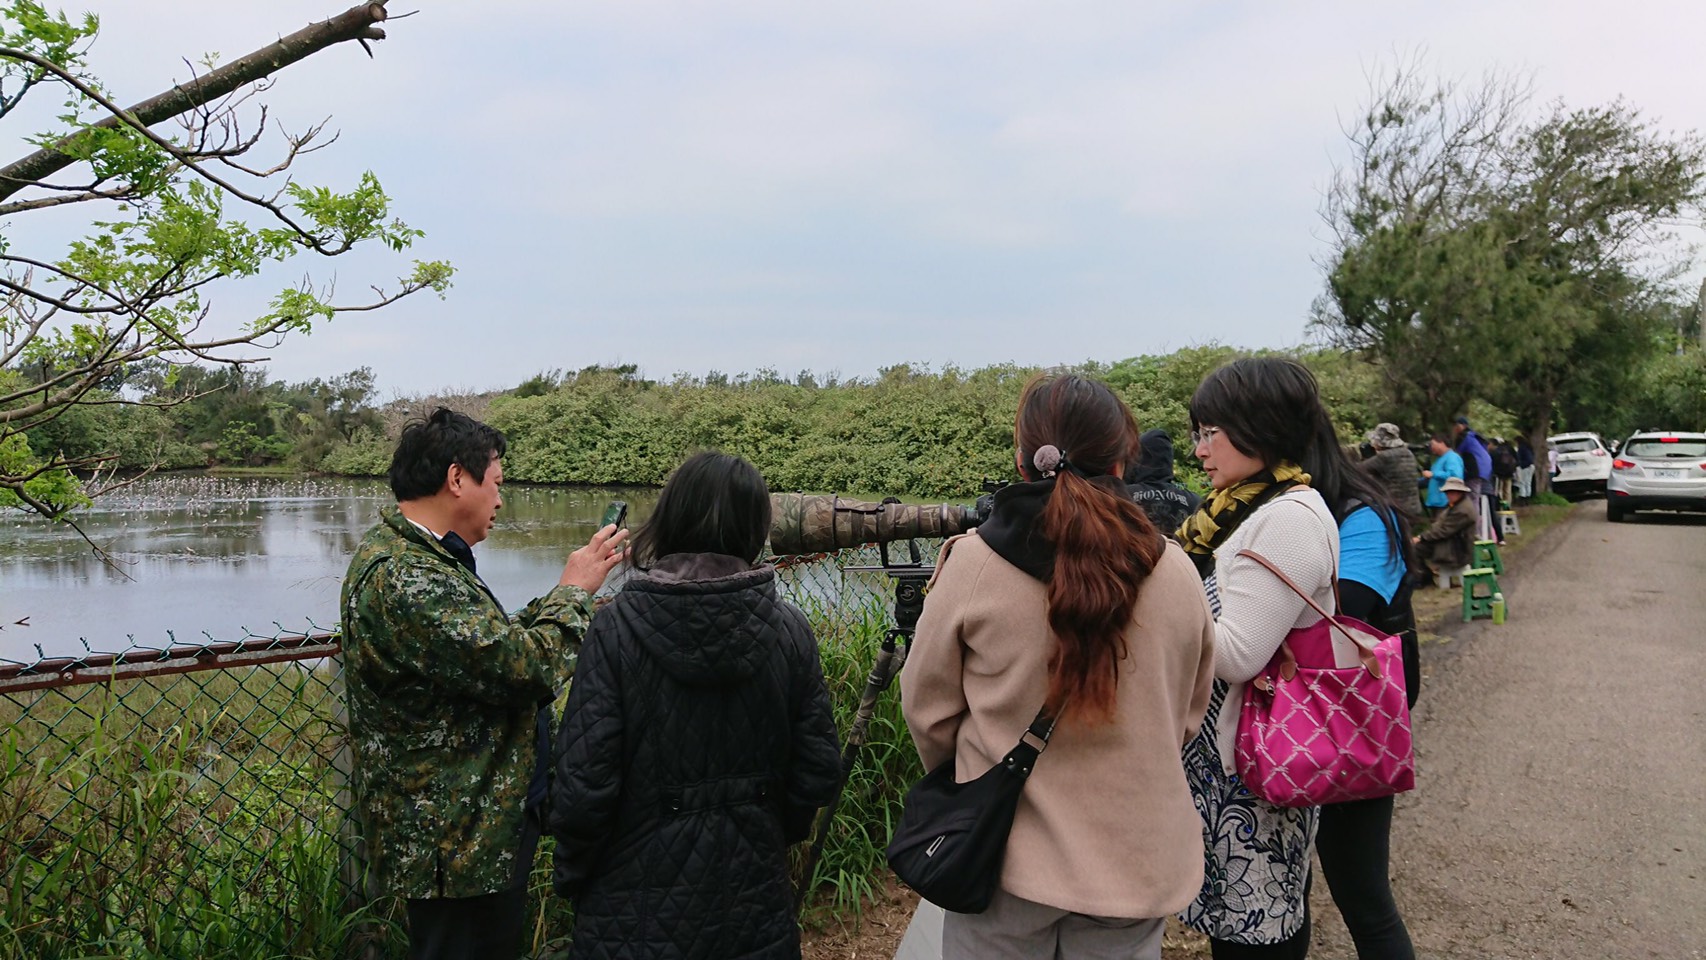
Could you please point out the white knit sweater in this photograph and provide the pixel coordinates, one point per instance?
(1296, 531)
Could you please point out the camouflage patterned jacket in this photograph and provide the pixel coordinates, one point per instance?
(443, 687)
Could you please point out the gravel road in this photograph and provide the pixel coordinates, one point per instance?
(1560, 808)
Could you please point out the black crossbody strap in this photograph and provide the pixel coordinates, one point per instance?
(1024, 754)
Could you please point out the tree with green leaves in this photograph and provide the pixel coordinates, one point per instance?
(1588, 205)
(174, 214)
(1480, 254)
(1411, 281)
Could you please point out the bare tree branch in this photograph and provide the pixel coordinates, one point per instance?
(358, 22)
(308, 237)
(117, 193)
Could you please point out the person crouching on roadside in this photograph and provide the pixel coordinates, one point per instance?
(697, 742)
(1449, 544)
(1067, 598)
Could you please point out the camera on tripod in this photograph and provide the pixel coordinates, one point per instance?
(810, 524)
(807, 523)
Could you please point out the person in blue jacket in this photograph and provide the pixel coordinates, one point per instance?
(1447, 463)
(1477, 469)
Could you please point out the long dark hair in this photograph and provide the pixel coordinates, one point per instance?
(1270, 408)
(713, 503)
(1104, 544)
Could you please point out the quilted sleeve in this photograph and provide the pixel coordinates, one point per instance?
(587, 791)
(814, 769)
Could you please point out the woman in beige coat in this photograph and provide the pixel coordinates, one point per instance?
(1068, 597)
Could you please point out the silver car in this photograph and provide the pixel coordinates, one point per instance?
(1657, 469)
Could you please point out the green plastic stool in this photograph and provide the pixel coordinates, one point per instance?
(1478, 602)
(1487, 555)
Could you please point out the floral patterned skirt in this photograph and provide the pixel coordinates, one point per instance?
(1256, 855)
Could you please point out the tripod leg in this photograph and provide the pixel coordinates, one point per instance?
(882, 675)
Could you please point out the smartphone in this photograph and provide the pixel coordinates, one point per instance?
(616, 513)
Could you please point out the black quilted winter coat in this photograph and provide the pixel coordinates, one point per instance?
(696, 745)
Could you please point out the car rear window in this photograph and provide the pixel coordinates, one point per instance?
(1581, 445)
(1661, 450)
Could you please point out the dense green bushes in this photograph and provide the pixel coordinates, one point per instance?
(909, 431)
(927, 434)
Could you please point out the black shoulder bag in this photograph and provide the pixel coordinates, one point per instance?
(952, 837)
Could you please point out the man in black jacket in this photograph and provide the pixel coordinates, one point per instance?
(1152, 485)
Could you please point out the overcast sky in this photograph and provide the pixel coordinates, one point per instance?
(846, 186)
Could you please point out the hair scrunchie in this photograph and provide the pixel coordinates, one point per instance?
(1048, 460)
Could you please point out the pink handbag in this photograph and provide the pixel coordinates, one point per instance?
(1312, 732)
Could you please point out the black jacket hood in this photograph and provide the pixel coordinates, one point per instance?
(1155, 463)
(1014, 528)
(706, 618)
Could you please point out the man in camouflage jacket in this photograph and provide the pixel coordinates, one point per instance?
(443, 689)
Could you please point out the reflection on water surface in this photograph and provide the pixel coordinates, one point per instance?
(200, 556)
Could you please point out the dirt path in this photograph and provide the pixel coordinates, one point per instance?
(1561, 801)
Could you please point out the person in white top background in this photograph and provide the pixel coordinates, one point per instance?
(1262, 435)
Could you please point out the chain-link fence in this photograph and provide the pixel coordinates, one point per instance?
(192, 801)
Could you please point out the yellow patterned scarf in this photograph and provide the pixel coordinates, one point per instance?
(1224, 510)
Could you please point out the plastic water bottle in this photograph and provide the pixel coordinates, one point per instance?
(1498, 608)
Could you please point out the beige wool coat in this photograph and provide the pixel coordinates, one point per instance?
(1105, 825)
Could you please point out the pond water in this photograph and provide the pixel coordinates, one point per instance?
(197, 556)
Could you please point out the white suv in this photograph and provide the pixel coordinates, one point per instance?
(1584, 463)
(1657, 468)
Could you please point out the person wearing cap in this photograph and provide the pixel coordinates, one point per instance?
(1449, 544)
(1393, 466)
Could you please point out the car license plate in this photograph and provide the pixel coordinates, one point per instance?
(1667, 474)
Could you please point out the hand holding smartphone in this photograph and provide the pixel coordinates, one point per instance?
(588, 566)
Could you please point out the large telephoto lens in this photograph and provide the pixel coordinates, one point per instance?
(802, 523)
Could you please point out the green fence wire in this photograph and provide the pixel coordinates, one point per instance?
(192, 801)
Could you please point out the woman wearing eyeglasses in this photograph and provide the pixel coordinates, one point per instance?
(1259, 429)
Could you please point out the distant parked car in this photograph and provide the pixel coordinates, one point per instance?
(1657, 469)
(1584, 463)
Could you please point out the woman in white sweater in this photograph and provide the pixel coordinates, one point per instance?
(1259, 428)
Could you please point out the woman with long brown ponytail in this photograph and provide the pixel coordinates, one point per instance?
(1069, 599)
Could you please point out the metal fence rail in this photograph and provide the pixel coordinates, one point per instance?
(191, 800)
(168, 802)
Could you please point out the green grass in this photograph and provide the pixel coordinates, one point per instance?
(853, 869)
(195, 815)
(201, 815)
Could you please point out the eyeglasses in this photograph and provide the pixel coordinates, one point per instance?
(1205, 435)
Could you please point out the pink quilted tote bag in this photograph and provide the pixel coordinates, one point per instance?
(1312, 732)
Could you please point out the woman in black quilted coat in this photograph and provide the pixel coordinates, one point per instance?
(697, 742)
